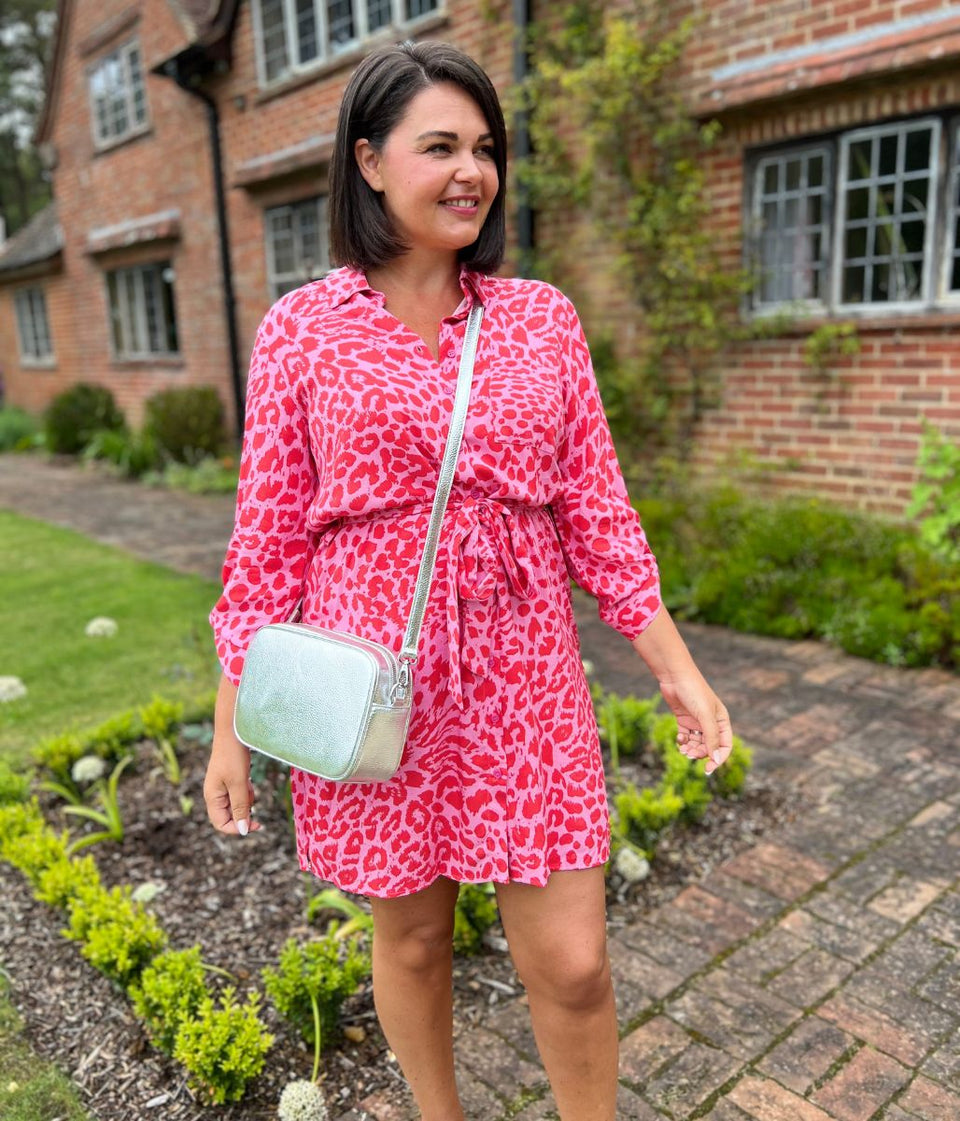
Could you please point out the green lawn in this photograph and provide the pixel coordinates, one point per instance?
(30, 1089)
(52, 582)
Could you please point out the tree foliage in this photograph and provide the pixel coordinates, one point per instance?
(26, 36)
(612, 138)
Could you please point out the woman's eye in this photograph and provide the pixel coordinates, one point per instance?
(439, 148)
(487, 153)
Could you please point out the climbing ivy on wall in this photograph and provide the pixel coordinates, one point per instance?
(613, 139)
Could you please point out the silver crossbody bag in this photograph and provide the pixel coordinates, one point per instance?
(333, 704)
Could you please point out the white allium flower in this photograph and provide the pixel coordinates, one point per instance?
(101, 627)
(588, 667)
(631, 866)
(88, 768)
(302, 1101)
(12, 689)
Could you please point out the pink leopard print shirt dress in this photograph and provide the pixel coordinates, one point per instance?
(347, 413)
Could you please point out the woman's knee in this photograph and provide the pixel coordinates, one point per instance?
(575, 977)
(415, 933)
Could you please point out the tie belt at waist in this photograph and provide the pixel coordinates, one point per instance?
(482, 547)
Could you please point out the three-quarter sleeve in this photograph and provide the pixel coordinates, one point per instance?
(604, 546)
(269, 549)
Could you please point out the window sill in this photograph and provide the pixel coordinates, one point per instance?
(146, 361)
(37, 363)
(325, 68)
(805, 322)
(102, 148)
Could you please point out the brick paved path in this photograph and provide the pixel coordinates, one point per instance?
(814, 977)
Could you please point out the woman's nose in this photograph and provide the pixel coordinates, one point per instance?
(468, 170)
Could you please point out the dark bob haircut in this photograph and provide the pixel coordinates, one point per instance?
(375, 100)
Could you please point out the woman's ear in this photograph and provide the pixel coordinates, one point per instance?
(368, 160)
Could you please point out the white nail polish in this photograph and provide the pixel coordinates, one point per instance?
(242, 827)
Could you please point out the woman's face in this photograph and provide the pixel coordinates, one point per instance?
(436, 170)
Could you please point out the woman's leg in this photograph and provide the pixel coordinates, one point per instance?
(413, 992)
(557, 938)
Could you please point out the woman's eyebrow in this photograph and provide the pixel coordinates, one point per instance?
(451, 135)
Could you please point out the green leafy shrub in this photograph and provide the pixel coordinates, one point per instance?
(800, 568)
(171, 990)
(187, 423)
(132, 453)
(59, 753)
(119, 937)
(313, 980)
(682, 794)
(208, 475)
(16, 821)
(35, 851)
(14, 786)
(936, 496)
(66, 878)
(112, 739)
(625, 723)
(74, 416)
(223, 1048)
(18, 430)
(640, 816)
(475, 913)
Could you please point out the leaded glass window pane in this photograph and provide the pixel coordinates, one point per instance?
(118, 96)
(142, 316)
(32, 327)
(886, 211)
(297, 244)
(790, 207)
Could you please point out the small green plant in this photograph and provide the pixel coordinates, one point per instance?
(59, 753)
(223, 1047)
(312, 982)
(36, 851)
(208, 475)
(936, 496)
(74, 416)
(640, 816)
(14, 786)
(17, 821)
(187, 423)
(66, 878)
(625, 723)
(358, 921)
(131, 453)
(119, 936)
(171, 990)
(475, 913)
(113, 739)
(828, 342)
(160, 719)
(108, 816)
(18, 430)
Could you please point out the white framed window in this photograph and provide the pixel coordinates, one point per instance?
(297, 244)
(142, 317)
(867, 221)
(791, 211)
(118, 95)
(33, 327)
(294, 35)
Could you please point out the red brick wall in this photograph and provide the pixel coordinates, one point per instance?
(163, 169)
(854, 435)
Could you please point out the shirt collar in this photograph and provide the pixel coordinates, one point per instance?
(345, 283)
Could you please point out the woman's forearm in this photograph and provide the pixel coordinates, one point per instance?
(662, 647)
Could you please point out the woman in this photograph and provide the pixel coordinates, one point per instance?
(349, 396)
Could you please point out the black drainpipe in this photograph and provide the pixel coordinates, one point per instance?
(183, 76)
(521, 135)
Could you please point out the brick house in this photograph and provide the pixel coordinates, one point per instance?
(122, 282)
(837, 179)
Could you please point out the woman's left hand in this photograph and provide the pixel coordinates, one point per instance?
(703, 724)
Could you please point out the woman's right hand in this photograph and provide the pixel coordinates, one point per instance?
(227, 789)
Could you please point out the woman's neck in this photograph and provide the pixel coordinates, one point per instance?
(430, 279)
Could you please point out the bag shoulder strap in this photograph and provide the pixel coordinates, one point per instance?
(451, 453)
